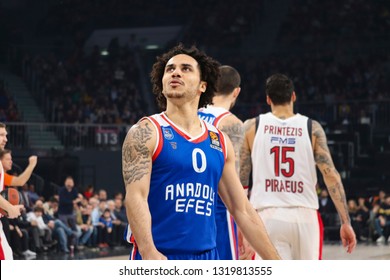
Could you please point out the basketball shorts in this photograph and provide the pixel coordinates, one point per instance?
(206, 255)
(296, 232)
(5, 249)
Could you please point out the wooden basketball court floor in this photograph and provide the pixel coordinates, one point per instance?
(363, 251)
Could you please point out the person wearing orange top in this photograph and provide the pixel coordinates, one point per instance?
(12, 210)
(21, 179)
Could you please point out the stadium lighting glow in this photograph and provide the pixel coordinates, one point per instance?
(151, 47)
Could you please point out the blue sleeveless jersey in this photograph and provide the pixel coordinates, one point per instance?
(184, 186)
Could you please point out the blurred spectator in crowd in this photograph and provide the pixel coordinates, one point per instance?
(378, 199)
(382, 221)
(61, 232)
(107, 229)
(359, 218)
(102, 195)
(89, 191)
(68, 197)
(40, 232)
(327, 209)
(119, 226)
(26, 198)
(32, 195)
(120, 211)
(84, 224)
(20, 239)
(98, 208)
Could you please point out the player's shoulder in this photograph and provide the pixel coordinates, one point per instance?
(143, 124)
(143, 121)
(250, 123)
(232, 119)
(317, 129)
(148, 121)
(143, 131)
(315, 123)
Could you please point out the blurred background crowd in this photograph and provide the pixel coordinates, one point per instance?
(74, 76)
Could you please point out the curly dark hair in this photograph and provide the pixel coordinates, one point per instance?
(208, 67)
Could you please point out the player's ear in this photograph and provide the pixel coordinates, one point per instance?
(203, 86)
(268, 100)
(293, 96)
(236, 92)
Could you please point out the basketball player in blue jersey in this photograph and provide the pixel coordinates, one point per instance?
(175, 164)
(218, 114)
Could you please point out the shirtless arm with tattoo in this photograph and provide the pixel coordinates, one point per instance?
(233, 127)
(333, 183)
(136, 168)
(245, 160)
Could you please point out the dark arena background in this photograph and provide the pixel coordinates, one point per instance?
(74, 77)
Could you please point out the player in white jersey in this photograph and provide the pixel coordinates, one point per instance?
(183, 80)
(12, 210)
(282, 150)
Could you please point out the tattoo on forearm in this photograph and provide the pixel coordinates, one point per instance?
(245, 154)
(323, 158)
(324, 161)
(321, 151)
(245, 166)
(236, 134)
(135, 154)
(338, 194)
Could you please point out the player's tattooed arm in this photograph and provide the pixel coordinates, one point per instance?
(136, 156)
(235, 131)
(245, 152)
(331, 176)
(137, 167)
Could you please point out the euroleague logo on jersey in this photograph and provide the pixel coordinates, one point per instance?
(168, 134)
(215, 142)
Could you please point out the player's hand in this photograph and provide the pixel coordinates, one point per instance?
(154, 255)
(14, 211)
(33, 160)
(244, 248)
(348, 237)
(246, 251)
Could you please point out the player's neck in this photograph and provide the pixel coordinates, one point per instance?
(185, 118)
(221, 101)
(283, 111)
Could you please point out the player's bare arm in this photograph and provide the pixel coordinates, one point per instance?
(26, 174)
(331, 176)
(235, 132)
(136, 168)
(233, 127)
(245, 151)
(334, 184)
(246, 251)
(136, 155)
(249, 222)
